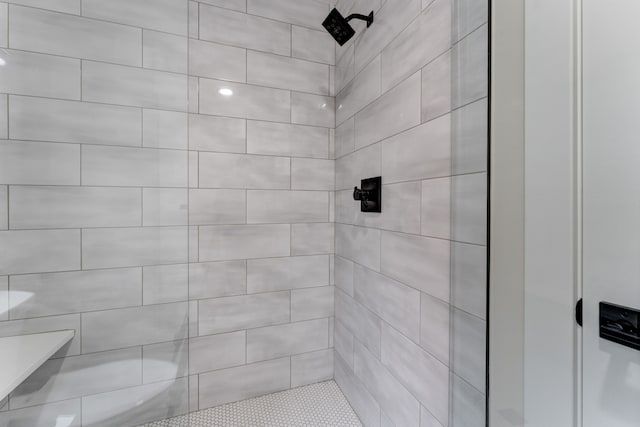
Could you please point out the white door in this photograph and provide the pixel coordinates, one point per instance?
(611, 205)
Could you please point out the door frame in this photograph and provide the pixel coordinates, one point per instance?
(535, 220)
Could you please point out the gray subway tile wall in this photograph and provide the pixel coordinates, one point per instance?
(182, 233)
(410, 282)
(173, 189)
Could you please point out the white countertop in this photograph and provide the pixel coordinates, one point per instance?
(21, 355)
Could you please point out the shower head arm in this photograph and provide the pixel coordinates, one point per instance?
(367, 18)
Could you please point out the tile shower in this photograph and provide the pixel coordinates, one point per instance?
(175, 176)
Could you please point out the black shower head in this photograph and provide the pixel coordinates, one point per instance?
(338, 26)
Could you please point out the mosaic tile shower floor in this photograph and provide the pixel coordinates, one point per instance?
(315, 405)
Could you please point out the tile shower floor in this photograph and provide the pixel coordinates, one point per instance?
(315, 405)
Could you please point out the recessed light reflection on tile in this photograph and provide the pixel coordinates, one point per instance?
(225, 91)
(2, 62)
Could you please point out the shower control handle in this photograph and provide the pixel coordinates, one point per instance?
(369, 194)
(362, 195)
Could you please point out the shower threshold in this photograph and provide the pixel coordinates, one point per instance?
(315, 405)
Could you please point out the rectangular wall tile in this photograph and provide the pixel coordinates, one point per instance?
(242, 30)
(436, 87)
(243, 382)
(469, 68)
(468, 348)
(32, 415)
(469, 138)
(4, 302)
(344, 275)
(35, 74)
(395, 111)
(419, 153)
(164, 129)
(283, 139)
(4, 207)
(312, 303)
(165, 283)
(356, 166)
(424, 375)
(345, 66)
(308, 13)
(311, 368)
(137, 87)
(395, 303)
(76, 376)
(436, 208)
(133, 167)
(222, 98)
(312, 174)
(36, 163)
(73, 207)
(469, 278)
(265, 69)
(126, 327)
(284, 340)
(208, 133)
(74, 36)
(343, 343)
(364, 405)
(434, 327)
(4, 117)
(468, 404)
(194, 18)
(426, 418)
(210, 207)
(67, 6)
(421, 42)
(214, 352)
(345, 138)
(312, 110)
(420, 262)
(217, 61)
(273, 206)
(362, 323)
(128, 247)
(166, 15)
(33, 251)
(78, 291)
(359, 244)
(4, 24)
(312, 45)
(194, 94)
(467, 16)
(220, 170)
(394, 16)
(217, 279)
(469, 208)
(153, 402)
(275, 274)
(239, 5)
(164, 206)
(397, 402)
(46, 324)
(164, 361)
(312, 239)
(218, 243)
(166, 52)
(359, 92)
(400, 209)
(242, 312)
(43, 119)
